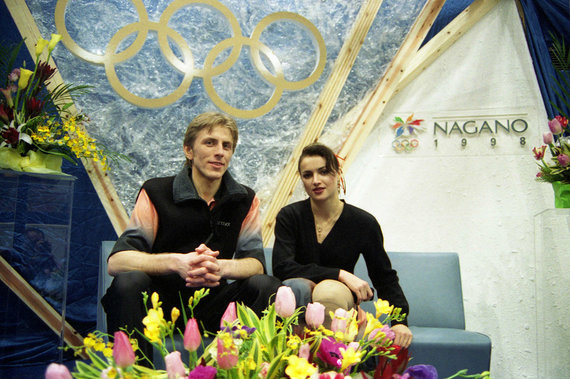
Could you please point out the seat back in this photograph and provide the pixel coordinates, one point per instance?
(432, 285)
(104, 282)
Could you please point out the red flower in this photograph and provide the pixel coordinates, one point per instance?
(562, 120)
(44, 72)
(6, 113)
(388, 367)
(11, 136)
(34, 107)
(539, 153)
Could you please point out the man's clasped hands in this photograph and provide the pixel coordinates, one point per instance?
(201, 268)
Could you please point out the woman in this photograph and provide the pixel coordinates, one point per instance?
(319, 240)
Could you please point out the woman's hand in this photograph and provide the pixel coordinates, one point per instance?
(403, 335)
(359, 287)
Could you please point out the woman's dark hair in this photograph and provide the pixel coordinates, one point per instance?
(318, 149)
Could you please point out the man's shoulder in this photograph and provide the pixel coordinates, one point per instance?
(158, 183)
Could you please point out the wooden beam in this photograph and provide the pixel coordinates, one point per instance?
(445, 38)
(100, 179)
(387, 86)
(430, 52)
(325, 104)
(37, 303)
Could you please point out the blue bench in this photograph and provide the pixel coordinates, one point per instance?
(432, 284)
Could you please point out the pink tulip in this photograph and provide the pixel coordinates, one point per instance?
(123, 352)
(230, 315)
(305, 351)
(555, 126)
(285, 301)
(227, 357)
(547, 138)
(57, 371)
(174, 366)
(563, 159)
(264, 370)
(192, 338)
(315, 315)
(339, 320)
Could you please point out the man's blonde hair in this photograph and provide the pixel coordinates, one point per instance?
(209, 120)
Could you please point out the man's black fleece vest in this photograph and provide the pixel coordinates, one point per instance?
(185, 225)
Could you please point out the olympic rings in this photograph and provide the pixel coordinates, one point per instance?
(185, 65)
(405, 145)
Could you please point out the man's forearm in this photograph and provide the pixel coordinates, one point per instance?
(240, 268)
(131, 260)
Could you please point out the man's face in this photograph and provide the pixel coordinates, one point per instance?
(211, 153)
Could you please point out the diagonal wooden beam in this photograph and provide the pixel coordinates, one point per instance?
(430, 51)
(100, 179)
(38, 304)
(444, 39)
(323, 109)
(387, 86)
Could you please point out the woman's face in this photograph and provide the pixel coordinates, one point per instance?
(319, 183)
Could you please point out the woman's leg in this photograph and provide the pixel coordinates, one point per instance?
(333, 295)
(302, 288)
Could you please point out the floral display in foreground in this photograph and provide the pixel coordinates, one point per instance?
(557, 140)
(37, 127)
(358, 345)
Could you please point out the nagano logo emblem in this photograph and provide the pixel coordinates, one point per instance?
(406, 134)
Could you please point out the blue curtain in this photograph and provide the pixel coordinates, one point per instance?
(543, 17)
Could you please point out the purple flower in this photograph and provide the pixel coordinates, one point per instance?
(555, 126)
(329, 352)
(421, 372)
(14, 75)
(203, 372)
(547, 138)
(563, 159)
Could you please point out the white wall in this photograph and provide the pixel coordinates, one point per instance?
(481, 202)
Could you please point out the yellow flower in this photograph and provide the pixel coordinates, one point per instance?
(383, 307)
(40, 46)
(154, 299)
(293, 342)
(299, 368)
(174, 314)
(89, 341)
(24, 78)
(372, 323)
(99, 345)
(55, 38)
(112, 373)
(108, 352)
(349, 357)
(227, 339)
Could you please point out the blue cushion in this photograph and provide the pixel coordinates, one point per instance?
(450, 350)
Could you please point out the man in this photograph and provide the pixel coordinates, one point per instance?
(196, 229)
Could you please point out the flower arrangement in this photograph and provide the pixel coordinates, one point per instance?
(557, 169)
(37, 128)
(248, 346)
